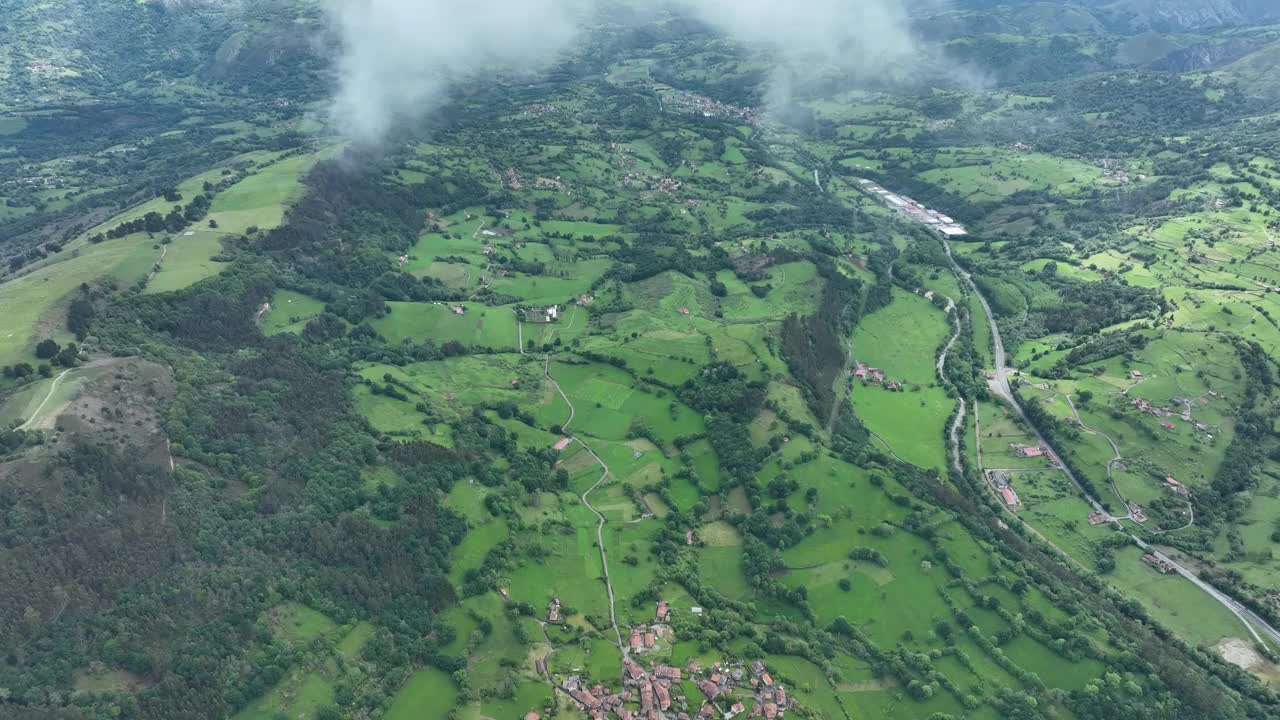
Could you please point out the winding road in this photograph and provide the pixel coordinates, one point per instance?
(604, 556)
(1251, 620)
(52, 389)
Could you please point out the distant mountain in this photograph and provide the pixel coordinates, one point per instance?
(65, 50)
(1257, 73)
(1114, 16)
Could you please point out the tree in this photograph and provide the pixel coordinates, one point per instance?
(47, 349)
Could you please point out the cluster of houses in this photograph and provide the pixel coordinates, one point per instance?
(710, 107)
(1159, 563)
(643, 638)
(513, 179)
(872, 375)
(658, 691)
(1146, 406)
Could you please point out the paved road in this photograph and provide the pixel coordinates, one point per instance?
(1250, 619)
(1001, 387)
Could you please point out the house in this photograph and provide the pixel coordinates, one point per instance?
(1097, 517)
(532, 716)
(664, 696)
(782, 696)
(586, 699)
(894, 386)
(860, 371)
(585, 300)
(1025, 451)
(734, 711)
(877, 375)
(1175, 486)
(635, 639)
(646, 697)
(1135, 374)
(1159, 563)
(767, 680)
(457, 309)
(663, 610)
(668, 673)
(757, 667)
(553, 612)
(562, 443)
(770, 711)
(650, 640)
(693, 667)
(709, 689)
(683, 311)
(632, 669)
(1167, 425)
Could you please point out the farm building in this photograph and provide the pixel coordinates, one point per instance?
(561, 444)
(876, 374)
(1167, 425)
(1175, 486)
(1135, 374)
(1010, 497)
(683, 311)
(1026, 451)
(549, 314)
(457, 309)
(860, 371)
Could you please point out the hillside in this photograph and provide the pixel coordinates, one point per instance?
(1258, 73)
(628, 387)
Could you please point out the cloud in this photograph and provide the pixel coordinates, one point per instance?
(399, 57)
(855, 41)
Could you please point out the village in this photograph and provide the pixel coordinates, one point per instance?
(658, 691)
(914, 210)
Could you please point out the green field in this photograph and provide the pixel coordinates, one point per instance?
(903, 339)
(187, 260)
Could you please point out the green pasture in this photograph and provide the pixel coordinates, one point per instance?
(429, 694)
(289, 312)
(261, 199)
(187, 261)
(479, 326)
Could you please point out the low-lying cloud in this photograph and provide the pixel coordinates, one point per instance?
(400, 57)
